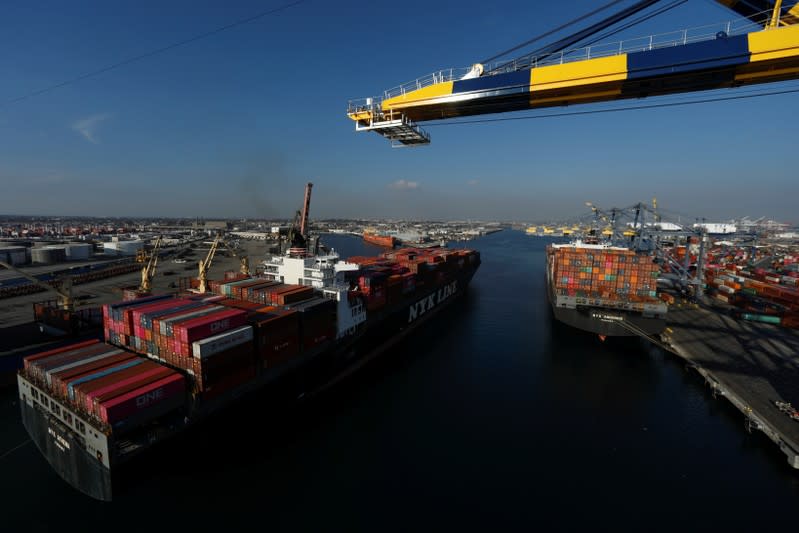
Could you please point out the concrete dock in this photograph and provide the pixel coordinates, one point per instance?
(751, 364)
(18, 332)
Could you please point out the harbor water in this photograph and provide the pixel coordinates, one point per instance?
(492, 417)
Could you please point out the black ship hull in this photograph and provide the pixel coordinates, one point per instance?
(609, 323)
(65, 451)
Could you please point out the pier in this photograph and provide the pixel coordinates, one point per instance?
(753, 365)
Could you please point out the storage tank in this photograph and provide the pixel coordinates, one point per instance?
(13, 255)
(123, 247)
(78, 251)
(48, 255)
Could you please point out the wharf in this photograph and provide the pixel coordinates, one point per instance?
(751, 364)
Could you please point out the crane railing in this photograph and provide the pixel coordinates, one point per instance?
(638, 44)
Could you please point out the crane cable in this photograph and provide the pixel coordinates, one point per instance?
(583, 34)
(639, 20)
(151, 53)
(630, 108)
(548, 33)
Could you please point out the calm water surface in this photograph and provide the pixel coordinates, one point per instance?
(492, 418)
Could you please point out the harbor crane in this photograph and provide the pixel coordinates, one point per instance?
(644, 231)
(63, 290)
(760, 47)
(298, 238)
(205, 264)
(148, 270)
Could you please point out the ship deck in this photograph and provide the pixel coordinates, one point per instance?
(751, 364)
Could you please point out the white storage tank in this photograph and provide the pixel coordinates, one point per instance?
(13, 255)
(48, 255)
(78, 251)
(123, 247)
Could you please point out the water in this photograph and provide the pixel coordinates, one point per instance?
(493, 417)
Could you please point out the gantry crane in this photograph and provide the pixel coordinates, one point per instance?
(64, 290)
(148, 270)
(643, 231)
(761, 48)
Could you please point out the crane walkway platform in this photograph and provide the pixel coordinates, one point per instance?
(396, 127)
(753, 365)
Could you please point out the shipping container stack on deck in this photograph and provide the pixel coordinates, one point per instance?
(112, 386)
(390, 278)
(224, 340)
(611, 274)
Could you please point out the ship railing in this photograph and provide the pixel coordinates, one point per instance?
(638, 44)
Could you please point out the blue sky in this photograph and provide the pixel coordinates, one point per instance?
(234, 125)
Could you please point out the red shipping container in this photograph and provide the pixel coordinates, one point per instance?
(142, 399)
(200, 328)
(93, 401)
(83, 389)
(119, 381)
(70, 347)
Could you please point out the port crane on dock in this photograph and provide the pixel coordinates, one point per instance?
(760, 47)
(63, 289)
(148, 270)
(205, 264)
(640, 227)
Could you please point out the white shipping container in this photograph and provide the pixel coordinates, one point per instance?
(728, 290)
(224, 341)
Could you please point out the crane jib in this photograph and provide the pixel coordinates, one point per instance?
(717, 61)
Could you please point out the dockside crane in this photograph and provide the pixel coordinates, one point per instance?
(244, 260)
(298, 238)
(148, 270)
(63, 290)
(762, 47)
(205, 265)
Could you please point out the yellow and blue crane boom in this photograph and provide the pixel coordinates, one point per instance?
(717, 56)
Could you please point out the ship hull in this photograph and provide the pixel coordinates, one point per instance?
(387, 241)
(606, 317)
(78, 465)
(65, 452)
(607, 322)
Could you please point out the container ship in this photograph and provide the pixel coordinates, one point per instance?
(167, 362)
(381, 240)
(603, 289)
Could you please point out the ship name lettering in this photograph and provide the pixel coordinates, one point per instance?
(218, 326)
(150, 397)
(425, 304)
(60, 441)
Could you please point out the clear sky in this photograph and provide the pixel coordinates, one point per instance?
(233, 125)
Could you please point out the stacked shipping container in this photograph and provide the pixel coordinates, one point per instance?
(223, 342)
(605, 273)
(103, 382)
(761, 295)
